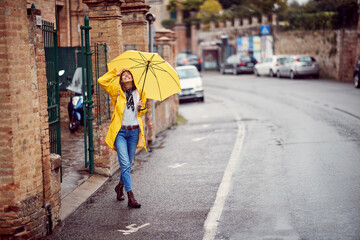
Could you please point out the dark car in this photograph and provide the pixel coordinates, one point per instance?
(237, 63)
(357, 74)
(188, 58)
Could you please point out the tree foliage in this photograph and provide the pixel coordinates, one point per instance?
(209, 10)
(171, 6)
(321, 14)
(192, 5)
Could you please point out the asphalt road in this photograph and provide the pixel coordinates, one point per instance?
(299, 169)
(261, 158)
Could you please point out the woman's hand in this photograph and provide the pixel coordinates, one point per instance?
(119, 72)
(139, 105)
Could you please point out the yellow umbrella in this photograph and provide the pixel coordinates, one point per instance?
(156, 76)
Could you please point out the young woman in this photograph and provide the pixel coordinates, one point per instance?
(126, 131)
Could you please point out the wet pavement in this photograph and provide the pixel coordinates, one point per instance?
(74, 172)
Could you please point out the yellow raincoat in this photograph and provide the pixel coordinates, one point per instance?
(110, 82)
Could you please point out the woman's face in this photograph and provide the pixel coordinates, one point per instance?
(126, 77)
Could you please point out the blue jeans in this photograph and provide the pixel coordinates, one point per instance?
(126, 142)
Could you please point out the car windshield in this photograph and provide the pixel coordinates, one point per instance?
(183, 56)
(188, 73)
(245, 59)
(192, 57)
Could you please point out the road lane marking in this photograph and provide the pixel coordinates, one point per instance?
(132, 229)
(212, 221)
(177, 165)
(199, 139)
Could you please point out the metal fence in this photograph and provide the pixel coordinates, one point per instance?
(103, 102)
(51, 58)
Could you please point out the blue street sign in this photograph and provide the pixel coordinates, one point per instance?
(265, 30)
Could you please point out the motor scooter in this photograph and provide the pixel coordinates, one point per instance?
(76, 113)
(75, 105)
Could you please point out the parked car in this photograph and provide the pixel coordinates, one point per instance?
(298, 66)
(238, 63)
(191, 83)
(269, 66)
(356, 75)
(187, 57)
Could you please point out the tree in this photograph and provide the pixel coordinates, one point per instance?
(210, 10)
(191, 5)
(322, 14)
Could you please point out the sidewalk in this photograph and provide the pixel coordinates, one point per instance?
(77, 183)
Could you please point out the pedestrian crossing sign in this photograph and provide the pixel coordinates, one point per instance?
(265, 30)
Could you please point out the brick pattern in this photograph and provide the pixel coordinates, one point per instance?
(21, 181)
(106, 23)
(134, 24)
(180, 34)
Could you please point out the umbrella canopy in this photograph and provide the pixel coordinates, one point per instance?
(152, 73)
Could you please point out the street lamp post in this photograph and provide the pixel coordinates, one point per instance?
(150, 18)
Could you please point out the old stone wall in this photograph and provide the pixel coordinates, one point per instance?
(334, 50)
(322, 45)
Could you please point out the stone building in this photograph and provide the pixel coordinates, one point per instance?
(30, 198)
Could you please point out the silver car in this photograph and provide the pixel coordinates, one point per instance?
(298, 66)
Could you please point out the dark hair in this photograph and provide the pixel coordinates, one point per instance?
(122, 84)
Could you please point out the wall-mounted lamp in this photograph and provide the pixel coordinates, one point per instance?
(150, 18)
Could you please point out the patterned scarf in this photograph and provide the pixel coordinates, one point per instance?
(129, 99)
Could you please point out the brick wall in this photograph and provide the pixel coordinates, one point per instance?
(166, 112)
(21, 92)
(180, 34)
(134, 25)
(26, 171)
(48, 7)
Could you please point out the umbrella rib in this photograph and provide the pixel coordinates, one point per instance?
(157, 81)
(161, 69)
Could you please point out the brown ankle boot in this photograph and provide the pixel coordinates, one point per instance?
(132, 201)
(119, 191)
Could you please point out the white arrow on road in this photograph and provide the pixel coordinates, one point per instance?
(132, 228)
(177, 165)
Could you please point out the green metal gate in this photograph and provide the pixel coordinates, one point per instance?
(102, 105)
(51, 58)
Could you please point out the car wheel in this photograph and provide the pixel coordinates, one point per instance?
(256, 73)
(316, 76)
(278, 75)
(235, 72)
(292, 75)
(271, 74)
(356, 80)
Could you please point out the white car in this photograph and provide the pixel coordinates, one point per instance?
(191, 83)
(269, 65)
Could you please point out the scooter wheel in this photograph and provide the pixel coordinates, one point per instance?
(74, 124)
